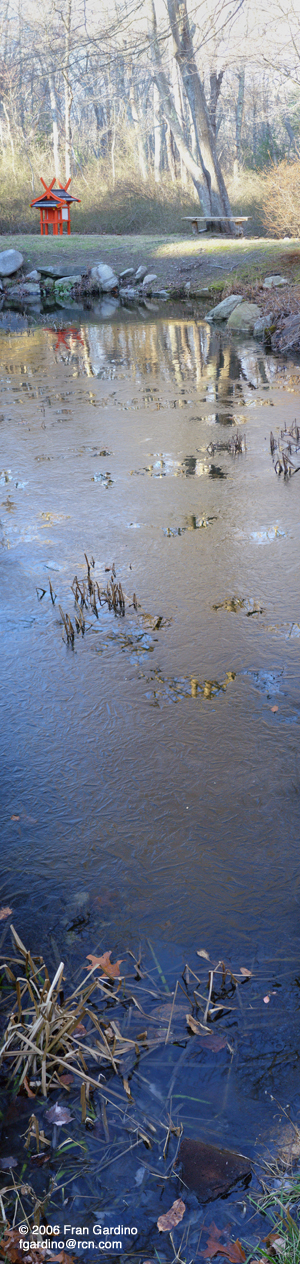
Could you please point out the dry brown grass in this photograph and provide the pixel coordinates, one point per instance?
(281, 199)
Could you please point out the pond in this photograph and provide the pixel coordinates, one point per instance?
(150, 767)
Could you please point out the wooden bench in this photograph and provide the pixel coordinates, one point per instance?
(209, 222)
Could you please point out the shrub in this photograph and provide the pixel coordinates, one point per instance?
(281, 199)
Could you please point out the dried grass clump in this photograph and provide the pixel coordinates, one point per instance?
(44, 1035)
(281, 199)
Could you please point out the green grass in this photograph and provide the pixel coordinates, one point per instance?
(281, 1208)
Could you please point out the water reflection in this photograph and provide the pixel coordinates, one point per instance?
(175, 351)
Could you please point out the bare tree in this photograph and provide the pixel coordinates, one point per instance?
(206, 171)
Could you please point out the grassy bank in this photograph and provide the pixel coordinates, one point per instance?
(176, 259)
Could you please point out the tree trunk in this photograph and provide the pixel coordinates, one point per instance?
(215, 89)
(239, 112)
(205, 170)
(292, 138)
(67, 89)
(217, 196)
(137, 124)
(55, 136)
(170, 155)
(157, 134)
(171, 116)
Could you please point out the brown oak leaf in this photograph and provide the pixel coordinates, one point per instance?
(4, 912)
(172, 1217)
(111, 969)
(232, 1250)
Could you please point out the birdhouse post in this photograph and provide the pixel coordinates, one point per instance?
(54, 206)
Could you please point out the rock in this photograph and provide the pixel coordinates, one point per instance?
(262, 325)
(105, 277)
(10, 261)
(211, 1172)
(126, 273)
(56, 272)
(128, 292)
(140, 274)
(25, 293)
(33, 276)
(109, 308)
(244, 317)
(65, 285)
(270, 282)
(48, 285)
(163, 294)
(224, 309)
(150, 276)
(287, 338)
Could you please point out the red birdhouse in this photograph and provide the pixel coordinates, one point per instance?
(54, 207)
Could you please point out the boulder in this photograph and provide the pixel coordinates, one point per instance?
(211, 1172)
(140, 273)
(65, 285)
(128, 292)
(25, 293)
(10, 261)
(105, 277)
(287, 338)
(262, 325)
(127, 272)
(33, 276)
(243, 318)
(147, 282)
(50, 271)
(48, 285)
(270, 282)
(224, 309)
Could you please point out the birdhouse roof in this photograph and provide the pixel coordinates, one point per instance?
(54, 196)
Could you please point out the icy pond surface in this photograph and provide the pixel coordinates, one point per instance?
(150, 775)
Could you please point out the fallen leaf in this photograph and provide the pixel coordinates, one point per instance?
(80, 1030)
(8, 1162)
(274, 708)
(276, 1242)
(41, 1158)
(247, 974)
(4, 912)
(172, 1217)
(208, 1042)
(63, 1257)
(13, 1251)
(202, 953)
(233, 1250)
(66, 1079)
(127, 1088)
(109, 968)
(27, 1087)
(266, 1000)
(15, 818)
(59, 1115)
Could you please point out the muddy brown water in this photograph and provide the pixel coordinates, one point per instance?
(150, 789)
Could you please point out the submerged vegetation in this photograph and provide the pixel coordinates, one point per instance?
(87, 1047)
